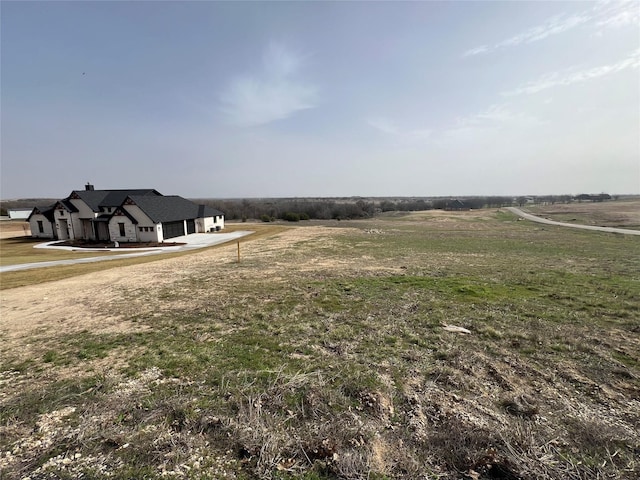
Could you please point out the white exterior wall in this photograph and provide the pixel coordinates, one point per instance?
(206, 224)
(213, 223)
(74, 224)
(130, 230)
(62, 233)
(150, 232)
(46, 225)
(203, 225)
(138, 214)
(84, 211)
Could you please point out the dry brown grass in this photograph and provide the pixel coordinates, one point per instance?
(14, 228)
(323, 354)
(619, 214)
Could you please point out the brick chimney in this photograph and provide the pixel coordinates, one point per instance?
(88, 187)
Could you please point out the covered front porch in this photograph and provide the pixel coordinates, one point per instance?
(96, 228)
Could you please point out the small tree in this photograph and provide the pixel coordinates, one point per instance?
(291, 217)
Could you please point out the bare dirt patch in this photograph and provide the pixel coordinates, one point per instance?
(96, 301)
(12, 228)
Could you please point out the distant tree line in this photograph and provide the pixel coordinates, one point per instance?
(298, 209)
(292, 209)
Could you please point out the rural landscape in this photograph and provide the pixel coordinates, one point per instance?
(431, 344)
(320, 240)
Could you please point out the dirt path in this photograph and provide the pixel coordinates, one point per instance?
(533, 218)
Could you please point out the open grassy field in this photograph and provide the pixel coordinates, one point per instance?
(328, 353)
(619, 214)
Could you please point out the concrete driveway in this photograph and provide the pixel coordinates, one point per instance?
(192, 242)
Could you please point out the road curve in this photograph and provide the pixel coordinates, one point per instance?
(533, 218)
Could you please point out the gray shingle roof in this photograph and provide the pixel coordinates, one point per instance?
(46, 211)
(115, 198)
(109, 198)
(172, 208)
(70, 207)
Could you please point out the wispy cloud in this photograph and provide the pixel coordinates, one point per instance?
(556, 79)
(391, 128)
(494, 118)
(274, 93)
(477, 50)
(552, 26)
(494, 114)
(618, 14)
(602, 15)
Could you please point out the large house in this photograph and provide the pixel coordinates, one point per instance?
(143, 215)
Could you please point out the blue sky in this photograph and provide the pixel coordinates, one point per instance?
(278, 99)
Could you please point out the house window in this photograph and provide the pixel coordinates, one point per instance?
(121, 227)
(141, 229)
(40, 226)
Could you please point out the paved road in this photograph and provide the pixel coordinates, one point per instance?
(197, 240)
(533, 218)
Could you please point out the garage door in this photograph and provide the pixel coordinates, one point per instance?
(191, 226)
(172, 229)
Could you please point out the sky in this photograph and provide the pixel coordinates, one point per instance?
(319, 99)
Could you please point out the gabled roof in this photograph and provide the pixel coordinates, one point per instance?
(172, 208)
(108, 198)
(121, 211)
(456, 204)
(46, 211)
(66, 204)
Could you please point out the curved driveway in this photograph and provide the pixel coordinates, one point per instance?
(194, 241)
(533, 218)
